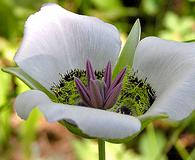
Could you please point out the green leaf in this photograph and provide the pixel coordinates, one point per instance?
(108, 4)
(28, 131)
(33, 84)
(157, 142)
(128, 51)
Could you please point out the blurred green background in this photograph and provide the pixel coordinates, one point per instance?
(37, 140)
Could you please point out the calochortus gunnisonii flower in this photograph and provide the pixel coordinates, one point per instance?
(70, 57)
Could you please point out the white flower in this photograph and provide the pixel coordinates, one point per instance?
(56, 41)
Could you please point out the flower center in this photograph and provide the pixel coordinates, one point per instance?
(125, 94)
(101, 94)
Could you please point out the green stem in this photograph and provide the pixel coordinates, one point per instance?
(101, 149)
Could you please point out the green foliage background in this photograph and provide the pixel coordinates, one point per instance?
(169, 19)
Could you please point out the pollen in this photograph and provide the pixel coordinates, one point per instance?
(136, 96)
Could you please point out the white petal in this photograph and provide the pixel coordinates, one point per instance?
(56, 40)
(169, 68)
(93, 122)
(28, 100)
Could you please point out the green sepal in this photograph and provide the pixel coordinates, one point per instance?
(124, 140)
(128, 51)
(74, 129)
(192, 40)
(145, 120)
(30, 82)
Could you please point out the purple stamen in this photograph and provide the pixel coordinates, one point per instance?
(89, 70)
(101, 85)
(95, 95)
(110, 93)
(112, 98)
(108, 75)
(100, 94)
(82, 91)
(119, 78)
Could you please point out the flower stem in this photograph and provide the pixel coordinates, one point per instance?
(101, 149)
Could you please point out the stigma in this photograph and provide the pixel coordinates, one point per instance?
(101, 94)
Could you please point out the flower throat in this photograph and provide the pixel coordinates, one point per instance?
(125, 94)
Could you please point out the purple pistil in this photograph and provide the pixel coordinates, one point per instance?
(100, 94)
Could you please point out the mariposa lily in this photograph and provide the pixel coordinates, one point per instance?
(67, 58)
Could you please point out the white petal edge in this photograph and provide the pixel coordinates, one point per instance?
(56, 41)
(169, 68)
(93, 122)
(28, 100)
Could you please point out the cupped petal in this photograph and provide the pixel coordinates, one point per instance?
(93, 122)
(169, 69)
(56, 40)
